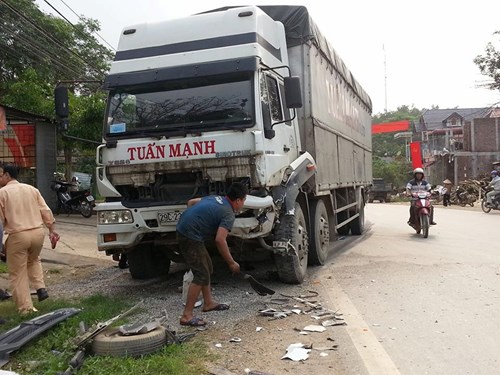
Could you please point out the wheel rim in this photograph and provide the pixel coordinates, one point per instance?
(324, 233)
(302, 244)
(86, 208)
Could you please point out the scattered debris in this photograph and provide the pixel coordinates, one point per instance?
(234, 339)
(220, 371)
(297, 352)
(218, 345)
(314, 328)
(139, 328)
(258, 329)
(323, 354)
(253, 372)
(329, 323)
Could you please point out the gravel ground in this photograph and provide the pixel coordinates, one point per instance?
(258, 350)
(162, 295)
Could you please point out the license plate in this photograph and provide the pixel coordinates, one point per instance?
(166, 218)
(90, 198)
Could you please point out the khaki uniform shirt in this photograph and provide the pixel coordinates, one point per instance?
(22, 207)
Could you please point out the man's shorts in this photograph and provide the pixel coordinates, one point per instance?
(197, 258)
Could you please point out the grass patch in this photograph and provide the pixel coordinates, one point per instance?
(51, 352)
(3, 267)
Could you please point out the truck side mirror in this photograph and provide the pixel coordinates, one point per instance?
(293, 92)
(62, 107)
(61, 101)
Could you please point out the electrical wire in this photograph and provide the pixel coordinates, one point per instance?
(54, 40)
(95, 32)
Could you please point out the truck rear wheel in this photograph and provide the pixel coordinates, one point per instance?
(343, 231)
(320, 238)
(145, 262)
(358, 224)
(292, 267)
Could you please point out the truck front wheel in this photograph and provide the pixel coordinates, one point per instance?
(146, 262)
(292, 267)
(320, 238)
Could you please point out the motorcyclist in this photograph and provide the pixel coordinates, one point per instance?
(495, 184)
(415, 185)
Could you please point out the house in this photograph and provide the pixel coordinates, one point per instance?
(459, 143)
(29, 140)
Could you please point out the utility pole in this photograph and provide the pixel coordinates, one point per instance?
(385, 78)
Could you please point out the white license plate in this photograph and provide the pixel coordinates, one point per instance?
(168, 217)
(90, 198)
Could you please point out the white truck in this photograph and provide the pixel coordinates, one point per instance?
(249, 94)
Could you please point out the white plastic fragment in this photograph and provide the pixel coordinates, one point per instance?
(323, 354)
(296, 352)
(234, 339)
(258, 329)
(218, 345)
(314, 328)
(296, 311)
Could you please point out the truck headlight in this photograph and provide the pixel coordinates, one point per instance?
(115, 217)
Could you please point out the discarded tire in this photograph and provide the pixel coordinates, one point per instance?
(112, 343)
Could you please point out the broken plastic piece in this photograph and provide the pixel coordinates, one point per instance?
(314, 328)
(296, 352)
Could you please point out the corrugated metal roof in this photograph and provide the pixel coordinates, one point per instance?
(435, 118)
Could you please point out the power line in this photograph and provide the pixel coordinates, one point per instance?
(53, 39)
(35, 47)
(81, 19)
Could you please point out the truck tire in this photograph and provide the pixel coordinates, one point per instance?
(111, 343)
(343, 231)
(146, 263)
(320, 238)
(358, 224)
(292, 268)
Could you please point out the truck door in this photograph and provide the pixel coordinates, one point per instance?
(280, 141)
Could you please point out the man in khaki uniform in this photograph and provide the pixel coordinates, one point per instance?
(23, 212)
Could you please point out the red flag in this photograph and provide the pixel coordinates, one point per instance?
(416, 155)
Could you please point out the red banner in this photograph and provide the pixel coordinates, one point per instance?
(3, 119)
(416, 155)
(389, 127)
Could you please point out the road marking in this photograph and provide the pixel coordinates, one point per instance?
(375, 358)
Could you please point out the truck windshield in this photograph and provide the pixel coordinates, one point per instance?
(198, 104)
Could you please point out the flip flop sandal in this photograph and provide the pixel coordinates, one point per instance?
(219, 307)
(194, 322)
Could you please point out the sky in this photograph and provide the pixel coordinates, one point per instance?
(417, 53)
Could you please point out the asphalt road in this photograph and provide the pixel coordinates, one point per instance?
(421, 306)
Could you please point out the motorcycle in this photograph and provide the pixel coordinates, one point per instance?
(421, 206)
(495, 204)
(69, 202)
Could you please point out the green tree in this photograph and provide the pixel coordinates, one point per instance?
(36, 52)
(389, 154)
(489, 64)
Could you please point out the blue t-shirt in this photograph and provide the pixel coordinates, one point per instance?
(201, 221)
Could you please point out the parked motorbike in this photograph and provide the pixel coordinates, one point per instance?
(421, 206)
(69, 202)
(495, 204)
(437, 193)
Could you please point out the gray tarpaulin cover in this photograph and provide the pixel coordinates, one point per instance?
(300, 29)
